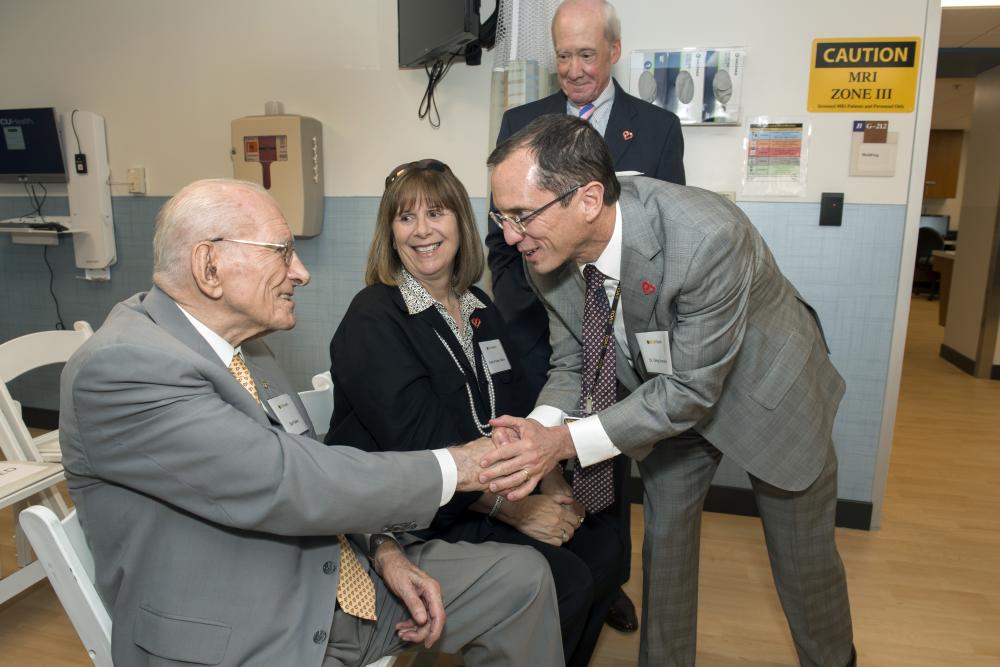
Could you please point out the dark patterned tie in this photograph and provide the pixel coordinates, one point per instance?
(594, 485)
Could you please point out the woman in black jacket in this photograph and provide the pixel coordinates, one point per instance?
(421, 361)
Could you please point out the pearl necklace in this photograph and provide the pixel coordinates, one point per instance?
(484, 429)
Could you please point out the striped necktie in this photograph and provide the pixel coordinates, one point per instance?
(586, 111)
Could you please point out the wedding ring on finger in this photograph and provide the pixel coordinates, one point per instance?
(579, 521)
(564, 536)
(526, 475)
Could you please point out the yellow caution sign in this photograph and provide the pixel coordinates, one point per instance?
(877, 74)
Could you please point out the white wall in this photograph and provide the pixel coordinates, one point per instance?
(169, 76)
(778, 36)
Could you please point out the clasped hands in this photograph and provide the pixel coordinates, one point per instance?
(514, 460)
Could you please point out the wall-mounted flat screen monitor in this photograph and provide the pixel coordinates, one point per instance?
(30, 150)
(431, 30)
(938, 223)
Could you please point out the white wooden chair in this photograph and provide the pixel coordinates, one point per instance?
(62, 549)
(17, 357)
(319, 402)
(69, 565)
(23, 354)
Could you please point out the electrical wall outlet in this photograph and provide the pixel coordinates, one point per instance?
(137, 181)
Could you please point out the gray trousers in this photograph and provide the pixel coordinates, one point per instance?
(499, 600)
(798, 530)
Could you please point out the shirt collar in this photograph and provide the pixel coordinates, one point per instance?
(219, 344)
(418, 299)
(610, 260)
(607, 95)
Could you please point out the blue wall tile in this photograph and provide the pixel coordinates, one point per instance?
(848, 273)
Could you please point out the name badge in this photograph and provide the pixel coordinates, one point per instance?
(286, 412)
(494, 356)
(655, 349)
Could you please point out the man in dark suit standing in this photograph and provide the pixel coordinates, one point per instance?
(672, 292)
(586, 35)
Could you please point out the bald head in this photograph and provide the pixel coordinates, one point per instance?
(586, 35)
(599, 12)
(205, 209)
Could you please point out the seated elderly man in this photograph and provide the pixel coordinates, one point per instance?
(218, 523)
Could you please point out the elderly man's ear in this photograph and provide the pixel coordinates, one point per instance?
(205, 270)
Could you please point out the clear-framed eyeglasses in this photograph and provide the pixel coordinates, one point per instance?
(286, 250)
(518, 222)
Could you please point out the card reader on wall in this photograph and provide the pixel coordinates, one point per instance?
(284, 154)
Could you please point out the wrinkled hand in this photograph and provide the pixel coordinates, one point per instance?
(554, 484)
(514, 469)
(468, 458)
(549, 519)
(502, 435)
(420, 592)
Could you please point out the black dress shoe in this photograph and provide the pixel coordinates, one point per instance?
(621, 614)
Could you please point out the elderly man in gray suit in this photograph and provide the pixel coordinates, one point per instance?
(218, 523)
(715, 353)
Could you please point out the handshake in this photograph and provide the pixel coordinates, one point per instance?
(514, 459)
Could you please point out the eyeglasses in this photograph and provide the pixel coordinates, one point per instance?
(286, 249)
(419, 165)
(518, 222)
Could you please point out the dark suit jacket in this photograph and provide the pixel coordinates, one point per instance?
(212, 528)
(397, 389)
(656, 148)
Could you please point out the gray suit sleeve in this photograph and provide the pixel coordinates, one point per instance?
(153, 423)
(710, 325)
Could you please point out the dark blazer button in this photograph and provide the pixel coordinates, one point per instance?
(319, 637)
(329, 567)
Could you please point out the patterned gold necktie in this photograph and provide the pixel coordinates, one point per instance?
(238, 369)
(356, 590)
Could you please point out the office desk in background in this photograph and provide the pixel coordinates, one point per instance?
(943, 262)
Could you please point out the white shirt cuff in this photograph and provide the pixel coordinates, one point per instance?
(449, 474)
(591, 441)
(546, 415)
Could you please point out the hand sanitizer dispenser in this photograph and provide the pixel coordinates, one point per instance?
(284, 154)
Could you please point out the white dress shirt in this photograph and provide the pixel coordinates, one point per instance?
(226, 352)
(589, 437)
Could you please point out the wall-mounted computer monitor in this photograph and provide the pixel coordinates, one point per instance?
(432, 30)
(938, 223)
(30, 150)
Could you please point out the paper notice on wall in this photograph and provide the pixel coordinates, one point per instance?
(873, 149)
(775, 158)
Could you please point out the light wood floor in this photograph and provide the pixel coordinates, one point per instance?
(925, 589)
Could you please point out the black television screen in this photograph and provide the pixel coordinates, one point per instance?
(30, 150)
(431, 30)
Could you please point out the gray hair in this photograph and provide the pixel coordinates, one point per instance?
(202, 210)
(612, 24)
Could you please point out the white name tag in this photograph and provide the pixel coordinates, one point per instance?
(286, 412)
(494, 356)
(655, 349)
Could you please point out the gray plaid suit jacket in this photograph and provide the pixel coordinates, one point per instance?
(751, 370)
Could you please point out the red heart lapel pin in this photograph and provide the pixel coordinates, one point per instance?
(475, 322)
(627, 135)
(648, 288)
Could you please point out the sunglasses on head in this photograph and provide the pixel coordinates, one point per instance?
(419, 165)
